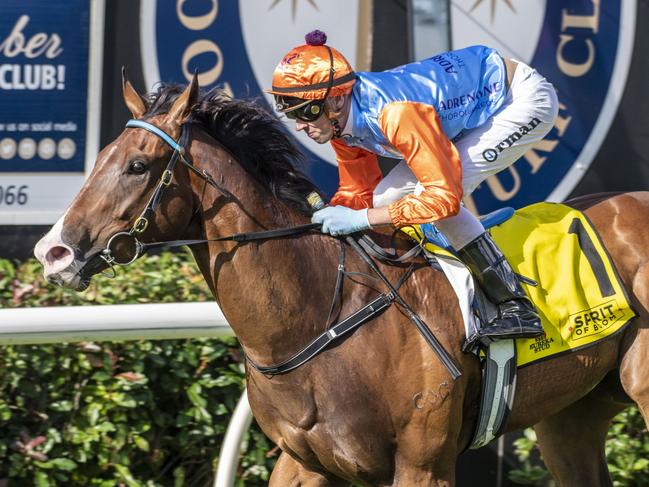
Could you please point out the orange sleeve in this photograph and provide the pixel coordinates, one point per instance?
(415, 130)
(359, 174)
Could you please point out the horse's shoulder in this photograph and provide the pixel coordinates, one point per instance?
(584, 202)
(617, 199)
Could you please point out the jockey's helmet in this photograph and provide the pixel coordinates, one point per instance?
(310, 72)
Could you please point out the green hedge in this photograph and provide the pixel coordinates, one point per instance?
(145, 413)
(627, 454)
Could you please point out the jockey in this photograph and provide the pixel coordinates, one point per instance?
(453, 120)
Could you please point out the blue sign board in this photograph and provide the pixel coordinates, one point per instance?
(582, 47)
(43, 85)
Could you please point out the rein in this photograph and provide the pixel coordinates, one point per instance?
(333, 332)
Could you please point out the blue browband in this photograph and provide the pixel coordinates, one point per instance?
(155, 130)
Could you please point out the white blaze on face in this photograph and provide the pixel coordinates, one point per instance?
(58, 260)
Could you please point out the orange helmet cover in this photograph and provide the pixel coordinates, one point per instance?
(304, 72)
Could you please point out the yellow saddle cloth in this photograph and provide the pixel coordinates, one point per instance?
(579, 295)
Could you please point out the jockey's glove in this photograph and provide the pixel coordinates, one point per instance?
(340, 220)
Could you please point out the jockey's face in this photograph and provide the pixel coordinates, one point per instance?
(319, 130)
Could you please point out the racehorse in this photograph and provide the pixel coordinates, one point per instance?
(377, 407)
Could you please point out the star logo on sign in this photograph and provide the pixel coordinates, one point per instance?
(493, 6)
(294, 6)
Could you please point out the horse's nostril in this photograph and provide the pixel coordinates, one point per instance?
(56, 253)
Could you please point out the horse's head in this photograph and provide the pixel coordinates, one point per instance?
(127, 174)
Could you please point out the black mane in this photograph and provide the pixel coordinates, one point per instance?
(255, 137)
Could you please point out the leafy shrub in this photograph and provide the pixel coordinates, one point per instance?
(627, 454)
(627, 449)
(141, 413)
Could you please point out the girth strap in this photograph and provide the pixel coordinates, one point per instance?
(437, 347)
(365, 313)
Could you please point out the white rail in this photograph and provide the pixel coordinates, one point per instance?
(132, 322)
(231, 448)
(115, 322)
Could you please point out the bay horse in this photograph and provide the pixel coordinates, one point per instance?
(377, 408)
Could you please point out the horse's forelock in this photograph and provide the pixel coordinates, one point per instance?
(159, 101)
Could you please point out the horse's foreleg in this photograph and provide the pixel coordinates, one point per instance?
(413, 470)
(572, 442)
(290, 473)
(634, 369)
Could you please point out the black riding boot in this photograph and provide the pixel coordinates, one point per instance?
(517, 317)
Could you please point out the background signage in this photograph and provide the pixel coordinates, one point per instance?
(44, 82)
(51, 77)
(584, 48)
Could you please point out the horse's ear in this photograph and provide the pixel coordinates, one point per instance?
(181, 108)
(132, 98)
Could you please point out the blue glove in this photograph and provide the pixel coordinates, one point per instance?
(340, 220)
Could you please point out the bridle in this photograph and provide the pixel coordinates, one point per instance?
(108, 254)
(142, 222)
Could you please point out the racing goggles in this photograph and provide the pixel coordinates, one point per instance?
(297, 108)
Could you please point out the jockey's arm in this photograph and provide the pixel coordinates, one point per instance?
(415, 130)
(359, 174)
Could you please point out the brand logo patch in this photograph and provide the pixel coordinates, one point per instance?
(491, 154)
(450, 61)
(593, 321)
(288, 59)
(541, 344)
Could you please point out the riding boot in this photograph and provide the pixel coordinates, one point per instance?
(517, 317)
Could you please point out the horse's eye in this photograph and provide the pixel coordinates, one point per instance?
(136, 167)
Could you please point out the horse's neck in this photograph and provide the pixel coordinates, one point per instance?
(275, 294)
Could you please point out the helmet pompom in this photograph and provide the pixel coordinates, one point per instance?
(316, 38)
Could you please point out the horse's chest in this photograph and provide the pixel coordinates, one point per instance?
(292, 423)
(320, 447)
(337, 438)
(290, 416)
